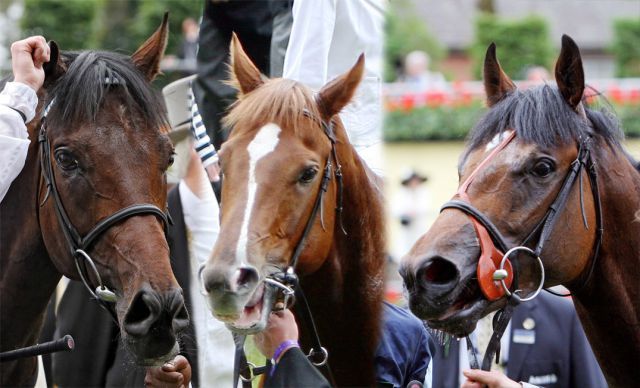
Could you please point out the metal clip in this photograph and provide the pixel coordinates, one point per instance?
(252, 375)
(323, 352)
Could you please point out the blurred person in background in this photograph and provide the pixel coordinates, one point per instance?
(188, 49)
(411, 206)
(252, 21)
(417, 75)
(536, 75)
(327, 37)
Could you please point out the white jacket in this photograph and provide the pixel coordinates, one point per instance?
(326, 39)
(14, 139)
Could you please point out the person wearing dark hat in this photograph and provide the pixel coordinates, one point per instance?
(411, 207)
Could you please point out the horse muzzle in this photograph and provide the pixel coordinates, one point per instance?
(152, 323)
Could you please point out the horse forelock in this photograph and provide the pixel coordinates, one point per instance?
(280, 101)
(90, 78)
(541, 116)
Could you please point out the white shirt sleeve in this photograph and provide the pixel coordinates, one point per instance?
(201, 219)
(14, 138)
(307, 57)
(215, 343)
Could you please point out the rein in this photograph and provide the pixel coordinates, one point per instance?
(77, 244)
(495, 273)
(286, 283)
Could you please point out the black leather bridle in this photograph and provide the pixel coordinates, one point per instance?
(77, 244)
(543, 230)
(286, 282)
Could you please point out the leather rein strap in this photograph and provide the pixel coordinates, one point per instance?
(488, 234)
(77, 244)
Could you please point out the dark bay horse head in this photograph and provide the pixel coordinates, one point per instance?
(273, 168)
(532, 149)
(104, 141)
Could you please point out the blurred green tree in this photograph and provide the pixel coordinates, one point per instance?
(150, 14)
(521, 43)
(106, 24)
(406, 32)
(68, 22)
(626, 47)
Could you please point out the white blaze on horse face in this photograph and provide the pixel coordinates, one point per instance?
(262, 145)
(497, 139)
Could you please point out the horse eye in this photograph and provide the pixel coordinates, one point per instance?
(543, 168)
(172, 159)
(66, 160)
(307, 175)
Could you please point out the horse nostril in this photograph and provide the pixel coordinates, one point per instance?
(177, 311)
(246, 276)
(143, 312)
(150, 311)
(407, 275)
(212, 280)
(438, 271)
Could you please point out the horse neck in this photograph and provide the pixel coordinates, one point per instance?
(609, 306)
(28, 276)
(355, 272)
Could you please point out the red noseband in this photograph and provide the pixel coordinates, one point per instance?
(490, 256)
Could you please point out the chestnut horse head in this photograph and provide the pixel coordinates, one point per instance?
(90, 203)
(537, 176)
(282, 168)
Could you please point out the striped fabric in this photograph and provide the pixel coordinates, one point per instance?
(205, 150)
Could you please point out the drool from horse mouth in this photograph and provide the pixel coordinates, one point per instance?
(159, 361)
(460, 318)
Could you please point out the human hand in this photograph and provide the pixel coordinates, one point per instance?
(477, 378)
(213, 171)
(27, 57)
(280, 327)
(174, 373)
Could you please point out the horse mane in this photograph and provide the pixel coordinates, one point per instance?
(278, 100)
(541, 115)
(82, 89)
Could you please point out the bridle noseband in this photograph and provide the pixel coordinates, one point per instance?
(77, 244)
(495, 273)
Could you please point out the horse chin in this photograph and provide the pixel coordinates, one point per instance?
(254, 316)
(462, 314)
(142, 359)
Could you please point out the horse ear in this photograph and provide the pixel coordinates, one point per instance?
(569, 72)
(337, 93)
(148, 56)
(53, 69)
(496, 83)
(244, 73)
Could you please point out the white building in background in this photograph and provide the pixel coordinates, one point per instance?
(10, 14)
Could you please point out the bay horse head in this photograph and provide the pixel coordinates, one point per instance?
(96, 177)
(528, 182)
(277, 199)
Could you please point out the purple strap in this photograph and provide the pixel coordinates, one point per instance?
(283, 347)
